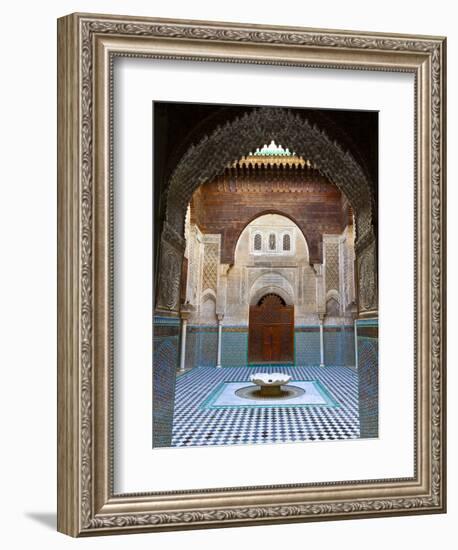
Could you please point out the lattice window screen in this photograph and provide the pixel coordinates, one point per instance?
(257, 242)
(286, 242)
(210, 269)
(272, 241)
(332, 266)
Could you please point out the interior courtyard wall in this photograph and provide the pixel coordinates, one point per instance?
(229, 202)
(255, 274)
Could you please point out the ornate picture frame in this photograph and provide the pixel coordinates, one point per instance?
(87, 46)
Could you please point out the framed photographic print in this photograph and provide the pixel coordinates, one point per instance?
(251, 274)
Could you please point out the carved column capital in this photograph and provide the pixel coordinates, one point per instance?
(186, 311)
(318, 269)
(223, 269)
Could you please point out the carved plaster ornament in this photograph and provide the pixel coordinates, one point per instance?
(367, 283)
(169, 280)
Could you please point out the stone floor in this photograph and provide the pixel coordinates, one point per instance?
(200, 419)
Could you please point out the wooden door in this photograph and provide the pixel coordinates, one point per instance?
(267, 343)
(271, 331)
(272, 336)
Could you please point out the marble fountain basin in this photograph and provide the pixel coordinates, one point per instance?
(270, 383)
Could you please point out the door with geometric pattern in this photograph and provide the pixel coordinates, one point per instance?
(271, 331)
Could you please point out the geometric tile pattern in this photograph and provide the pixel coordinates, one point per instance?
(195, 425)
(368, 385)
(201, 347)
(211, 259)
(332, 266)
(234, 348)
(202, 344)
(349, 345)
(165, 362)
(339, 346)
(192, 348)
(307, 346)
(208, 347)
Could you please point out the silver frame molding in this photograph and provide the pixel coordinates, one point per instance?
(87, 44)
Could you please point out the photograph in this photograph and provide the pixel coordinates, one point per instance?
(260, 217)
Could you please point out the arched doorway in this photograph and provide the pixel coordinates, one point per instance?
(271, 331)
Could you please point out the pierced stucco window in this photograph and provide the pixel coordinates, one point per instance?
(272, 241)
(257, 244)
(286, 242)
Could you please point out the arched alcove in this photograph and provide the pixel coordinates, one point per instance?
(263, 214)
(265, 224)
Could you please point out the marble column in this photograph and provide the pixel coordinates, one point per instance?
(320, 305)
(321, 342)
(221, 297)
(356, 344)
(184, 324)
(220, 335)
(320, 290)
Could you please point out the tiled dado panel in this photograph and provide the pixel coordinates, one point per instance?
(338, 342)
(208, 347)
(307, 346)
(349, 337)
(339, 346)
(367, 331)
(165, 363)
(234, 347)
(202, 346)
(192, 348)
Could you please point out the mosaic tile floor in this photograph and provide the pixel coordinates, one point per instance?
(195, 423)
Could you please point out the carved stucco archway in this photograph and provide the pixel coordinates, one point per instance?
(272, 289)
(205, 160)
(262, 213)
